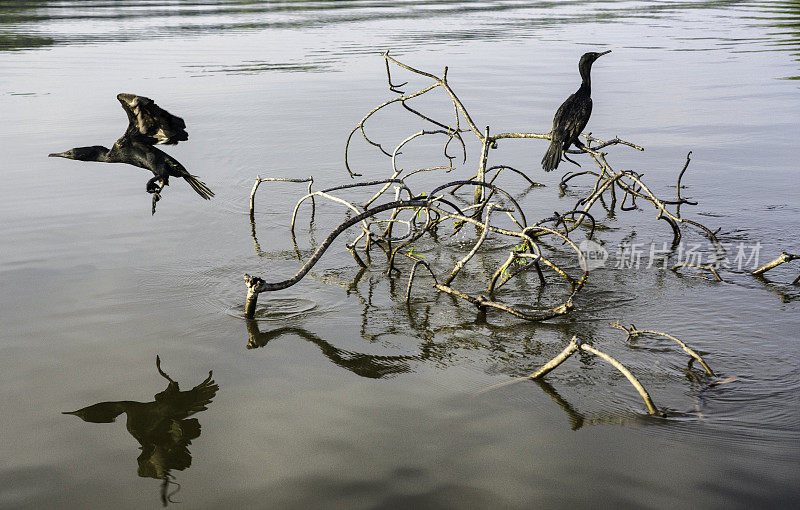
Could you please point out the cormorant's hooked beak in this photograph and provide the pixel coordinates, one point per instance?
(603, 53)
(64, 154)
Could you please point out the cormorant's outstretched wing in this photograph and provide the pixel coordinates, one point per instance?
(186, 403)
(199, 397)
(150, 124)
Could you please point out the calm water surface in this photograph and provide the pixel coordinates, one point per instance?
(340, 396)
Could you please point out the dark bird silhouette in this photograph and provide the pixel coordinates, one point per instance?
(148, 125)
(572, 116)
(162, 427)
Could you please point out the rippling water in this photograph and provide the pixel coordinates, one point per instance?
(340, 396)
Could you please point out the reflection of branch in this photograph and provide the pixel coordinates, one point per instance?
(364, 365)
(256, 245)
(256, 184)
(166, 495)
(576, 419)
(702, 392)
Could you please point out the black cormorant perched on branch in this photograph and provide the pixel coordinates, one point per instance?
(148, 125)
(572, 115)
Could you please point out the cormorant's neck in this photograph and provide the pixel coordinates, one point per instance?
(586, 79)
(94, 153)
(103, 155)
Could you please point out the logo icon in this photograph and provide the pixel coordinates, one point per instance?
(594, 255)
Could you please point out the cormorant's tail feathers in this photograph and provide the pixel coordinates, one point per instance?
(552, 157)
(199, 186)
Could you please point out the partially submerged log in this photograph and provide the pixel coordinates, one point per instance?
(772, 264)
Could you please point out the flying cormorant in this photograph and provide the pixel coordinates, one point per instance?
(572, 115)
(148, 125)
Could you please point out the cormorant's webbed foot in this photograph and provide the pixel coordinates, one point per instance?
(156, 198)
(152, 187)
(156, 188)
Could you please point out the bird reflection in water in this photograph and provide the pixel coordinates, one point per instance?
(162, 427)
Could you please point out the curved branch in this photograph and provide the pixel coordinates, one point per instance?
(651, 408)
(482, 302)
(698, 266)
(485, 185)
(633, 332)
(443, 83)
(785, 257)
(575, 345)
(260, 285)
(360, 126)
(417, 262)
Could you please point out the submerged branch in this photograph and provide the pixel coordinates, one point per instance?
(708, 268)
(260, 285)
(575, 345)
(633, 333)
(784, 257)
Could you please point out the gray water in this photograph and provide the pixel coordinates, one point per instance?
(347, 398)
